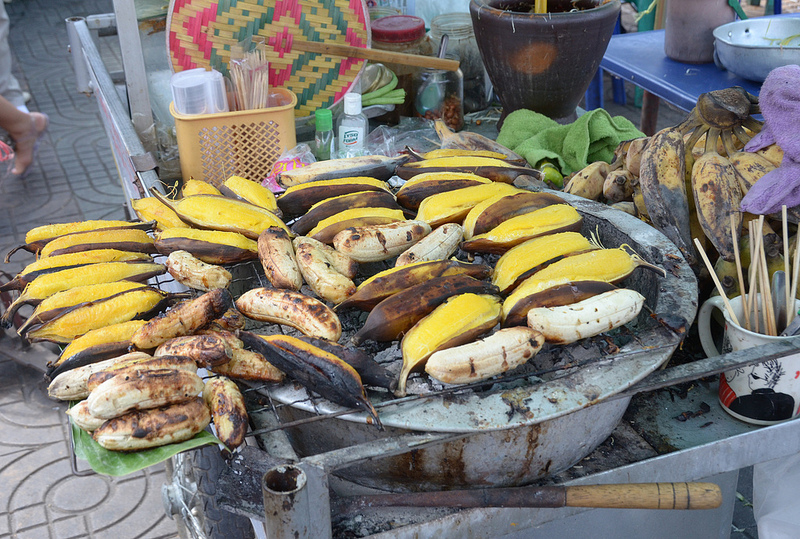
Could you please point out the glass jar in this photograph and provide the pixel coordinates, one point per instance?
(461, 41)
(402, 33)
(439, 93)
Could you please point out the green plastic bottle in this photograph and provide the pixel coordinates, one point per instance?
(323, 135)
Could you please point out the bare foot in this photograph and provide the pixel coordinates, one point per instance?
(25, 143)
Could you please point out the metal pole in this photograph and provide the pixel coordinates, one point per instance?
(78, 61)
(290, 514)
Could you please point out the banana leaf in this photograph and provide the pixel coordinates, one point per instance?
(119, 463)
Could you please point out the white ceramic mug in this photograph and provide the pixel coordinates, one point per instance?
(762, 394)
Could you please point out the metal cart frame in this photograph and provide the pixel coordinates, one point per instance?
(714, 455)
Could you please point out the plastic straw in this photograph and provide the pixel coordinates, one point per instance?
(716, 281)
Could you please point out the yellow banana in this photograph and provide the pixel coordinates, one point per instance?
(210, 246)
(717, 196)
(251, 192)
(749, 167)
(453, 206)
(633, 159)
(421, 186)
(298, 199)
(618, 186)
(193, 187)
(152, 209)
(588, 182)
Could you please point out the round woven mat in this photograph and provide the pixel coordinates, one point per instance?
(201, 33)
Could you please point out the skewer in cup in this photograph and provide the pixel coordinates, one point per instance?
(721, 290)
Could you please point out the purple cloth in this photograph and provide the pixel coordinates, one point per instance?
(780, 105)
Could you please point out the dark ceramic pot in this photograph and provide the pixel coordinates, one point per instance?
(542, 62)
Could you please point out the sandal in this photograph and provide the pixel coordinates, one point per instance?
(33, 138)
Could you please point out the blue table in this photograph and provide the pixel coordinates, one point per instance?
(639, 58)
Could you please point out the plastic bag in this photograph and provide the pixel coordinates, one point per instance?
(776, 489)
(415, 133)
(298, 157)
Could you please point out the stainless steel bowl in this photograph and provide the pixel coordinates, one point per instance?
(754, 47)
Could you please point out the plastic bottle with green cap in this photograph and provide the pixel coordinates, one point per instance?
(323, 135)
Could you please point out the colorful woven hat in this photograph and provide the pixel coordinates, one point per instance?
(202, 33)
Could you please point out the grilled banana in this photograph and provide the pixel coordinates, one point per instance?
(152, 209)
(587, 318)
(52, 306)
(373, 166)
(356, 217)
(393, 280)
(136, 303)
(121, 239)
(285, 307)
(548, 220)
(249, 365)
(96, 345)
(277, 256)
(70, 260)
(374, 243)
(438, 245)
(493, 211)
(661, 180)
(606, 265)
(453, 206)
(421, 186)
(316, 369)
(194, 187)
(458, 321)
(251, 192)
(210, 246)
(228, 411)
(588, 182)
(395, 315)
(155, 427)
(371, 372)
(137, 367)
(82, 418)
(471, 141)
(183, 319)
(319, 273)
(502, 351)
(71, 385)
(497, 170)
(104, 272)
(36, 238)
(205, 350)
(522, 261)
(298, 199)
(150, 389)
(717, 196)
(194, 273)
(330, 207)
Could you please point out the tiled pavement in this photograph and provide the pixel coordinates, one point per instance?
(74, 179)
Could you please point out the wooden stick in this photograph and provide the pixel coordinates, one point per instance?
(767, 306)
(752, 301)
(375, 55)
(740, 274)
(720, 289)
(790, 314)
(786, 264)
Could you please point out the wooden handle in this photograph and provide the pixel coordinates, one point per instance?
(376, 55)
(646, 496)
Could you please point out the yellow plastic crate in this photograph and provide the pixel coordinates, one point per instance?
(213, 147)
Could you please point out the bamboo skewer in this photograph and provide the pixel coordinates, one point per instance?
(713, 273)
(751, 299)
(795, 270)
(786, 264)
(740, 274)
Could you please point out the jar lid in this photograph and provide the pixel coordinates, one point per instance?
(398, 29)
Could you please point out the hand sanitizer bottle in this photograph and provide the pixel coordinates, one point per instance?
(352, 127)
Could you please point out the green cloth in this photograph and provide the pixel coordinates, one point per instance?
(592, 137)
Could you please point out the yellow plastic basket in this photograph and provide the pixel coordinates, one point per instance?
(213, 147)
